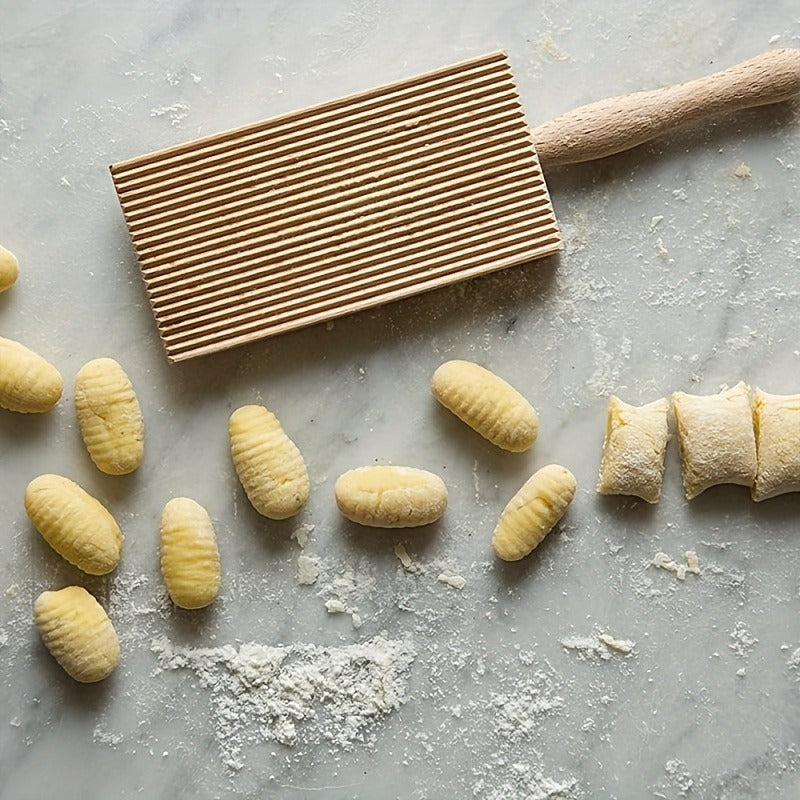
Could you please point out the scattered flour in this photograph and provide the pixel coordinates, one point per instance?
(265, 693)
(455, 581)
(742, 171)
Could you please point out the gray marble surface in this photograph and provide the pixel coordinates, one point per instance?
(676, 275)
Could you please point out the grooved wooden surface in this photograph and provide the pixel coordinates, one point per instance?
(336, 208)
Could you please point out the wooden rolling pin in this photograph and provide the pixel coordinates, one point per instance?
(619, 123)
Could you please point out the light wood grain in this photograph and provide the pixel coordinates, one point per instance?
(337, 208)
(619, 123)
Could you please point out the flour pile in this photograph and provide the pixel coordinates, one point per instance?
(262, 693)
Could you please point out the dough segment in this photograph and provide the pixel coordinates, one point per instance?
(716, 438)
(634, 448)
(776, 419)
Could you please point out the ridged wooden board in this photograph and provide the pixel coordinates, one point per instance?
(337, 208)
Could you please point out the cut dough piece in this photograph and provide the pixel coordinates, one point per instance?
(776, 419)
(634, 448)
(716, 438)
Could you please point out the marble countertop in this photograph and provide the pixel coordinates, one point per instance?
(677, 274)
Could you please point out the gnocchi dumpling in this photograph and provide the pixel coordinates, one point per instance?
(634, 448)
(76, 525)
(533, 512)
(189, 554)
(28, 383)
(9, 269)
(716, 438)
(268, 463)
(488, 404)
(109, 417)
(776, 419)
(78, 633)
(391, 497)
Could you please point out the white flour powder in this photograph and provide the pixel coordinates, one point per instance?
(263, 693)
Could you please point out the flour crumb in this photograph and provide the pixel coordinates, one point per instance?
(301, 534)
(598, 645)
(773, 39)
(692, 562)
(665, 562)
(101, 735)
(620, 645)
(741, 672)
(668, 564)
(307, 569)
(660, 249)
(404, 558)
(15, 722)
(455, 581)
(656, 221)
(743, 171)
(12, 590)
(65, 181)
(336, 606)
(742, 641)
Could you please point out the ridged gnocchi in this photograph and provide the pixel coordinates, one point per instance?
(189, 554)
(716, 437)
(76, 525)
(634, 449)
(109, 417)
(391, 497)
(9, 269)
(268, 463)
(776, 419)
(485, 402)
(28, 383)
(78, 633)
(533, 512)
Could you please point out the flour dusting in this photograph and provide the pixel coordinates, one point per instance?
(265, 693)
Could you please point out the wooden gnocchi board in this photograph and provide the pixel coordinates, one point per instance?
(333, 209)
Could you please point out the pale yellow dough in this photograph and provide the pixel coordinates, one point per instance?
(776, 419)
(489, 405)
(391, 497)
(716, 437)
(28, 383)
(633, 450)
(533, 512)
(78, 633)
(268, 463)
(76, 525)
(189, 554)
(9, 269)
(109, 417)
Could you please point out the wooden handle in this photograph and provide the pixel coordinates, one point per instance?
(619, 123)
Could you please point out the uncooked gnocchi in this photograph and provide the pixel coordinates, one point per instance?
(776, 419)
(9, 269)
(533, 512)
(391, 497)
(634, 448)
(716, 437)
(78, 633)
(489, 405)
(109, 417)
(28, 383)
(189, 554)
(74, 524)
(268, 463)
